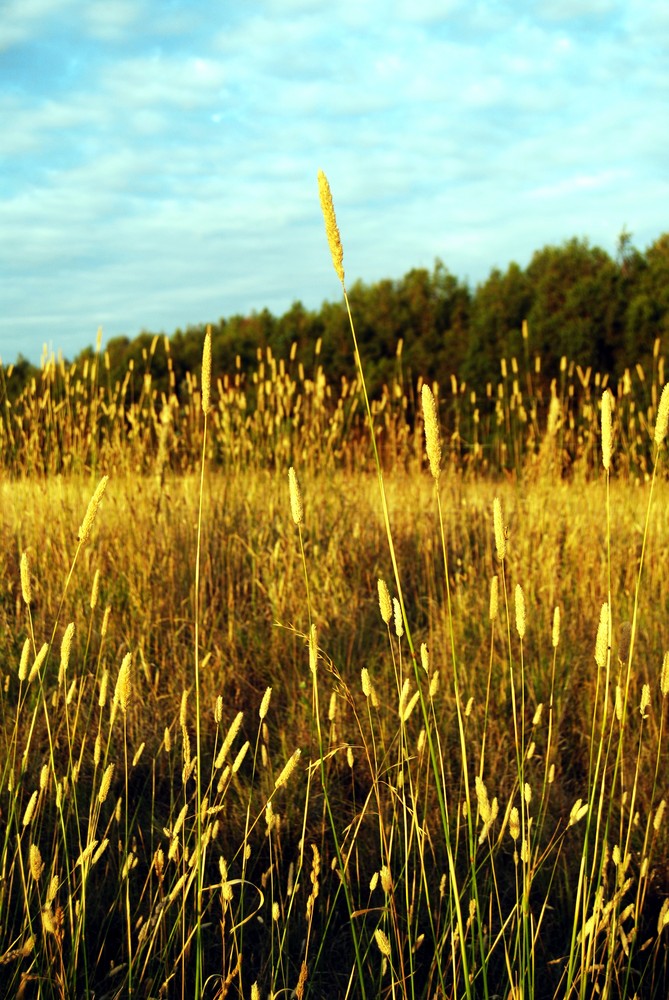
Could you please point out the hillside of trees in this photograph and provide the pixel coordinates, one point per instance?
(578, 301)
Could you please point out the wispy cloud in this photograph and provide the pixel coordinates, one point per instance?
(158, 161)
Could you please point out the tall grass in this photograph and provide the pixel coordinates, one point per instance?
(314, 723)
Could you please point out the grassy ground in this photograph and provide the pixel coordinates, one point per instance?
(379, 807)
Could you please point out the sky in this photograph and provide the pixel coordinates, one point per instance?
(158, 160)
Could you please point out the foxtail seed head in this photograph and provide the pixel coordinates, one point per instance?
(91, 511)
(520, 611)
(432, 442)
(664, 676)
(494, 598)
(26, 584)
(606, 429)
(206, 372)
(662, 421)
(122, 690)
(399, 623)
(331, 228)
(498, 524)
(296, 505)
(555, 637)
(288, 769)
(602, 641)
(385, 604)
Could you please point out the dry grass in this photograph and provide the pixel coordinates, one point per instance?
(254, 634)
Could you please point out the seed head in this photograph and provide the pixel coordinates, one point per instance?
(385, 604)
(331, 228)
(23, 662)
(296, 506)
(555, 637)
(432, 442)
(122, 690)
(494, 598)
(520, 611)
(664, 676)
(91, 512)
(606, 429)
(662, 417)
(399, 623)
(39, 660)
(382, 942)
(264, 704)
(26, 583)
(288, 769)
(95, 590)
(105, 784)
(500, 536)
(206, 372)
(602, 641)
(36, 863)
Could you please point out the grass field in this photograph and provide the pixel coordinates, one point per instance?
(390, 724)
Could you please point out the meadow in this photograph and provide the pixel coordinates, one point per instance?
(305, 694)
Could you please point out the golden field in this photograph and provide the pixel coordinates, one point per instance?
(307, 695)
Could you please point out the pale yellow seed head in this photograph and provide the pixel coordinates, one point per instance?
(123, 683)
(386, 879)
(645, 701)
(30, 809)
(482, 800)
(240, 757)
(397, 613)
(206, 372)
(296, 505)
(26, 582)
(555, 636)
(602, 641)
(36, 863)
(659, 813)
(514, 823)
(331, 228)
(424, 657)
(105, 622)
(104, 683)
(664, 675)
(313, 649)
(385, 604)
(218, 709)
(23, 662)
(65, 650)
(432, 441)
(520, 611)
(494, 598)
(366, 682)
(39, 661)
(606, 429)
(105, 784)
(662, 421)
(95, 590)
(89, 516)
(288, 769)
(264, 704)
(382, 942)
(498, 524)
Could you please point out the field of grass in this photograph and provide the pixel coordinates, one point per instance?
(286, 714)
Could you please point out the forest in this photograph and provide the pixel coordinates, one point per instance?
(576, 300)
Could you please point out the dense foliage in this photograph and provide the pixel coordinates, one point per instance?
(578, 302)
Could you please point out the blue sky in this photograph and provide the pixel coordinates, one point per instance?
(158, 161)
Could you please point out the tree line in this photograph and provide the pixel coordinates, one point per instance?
(576, 299)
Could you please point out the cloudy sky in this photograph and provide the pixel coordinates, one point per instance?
(158, 160)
